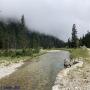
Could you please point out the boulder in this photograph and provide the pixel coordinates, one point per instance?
(67, 63)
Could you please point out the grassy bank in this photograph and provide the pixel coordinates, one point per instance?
(16, 56)
(79, 53)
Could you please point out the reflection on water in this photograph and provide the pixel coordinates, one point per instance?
(39, 74)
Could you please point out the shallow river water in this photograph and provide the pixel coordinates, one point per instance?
(39, 74)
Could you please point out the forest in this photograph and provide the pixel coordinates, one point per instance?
(14, 34)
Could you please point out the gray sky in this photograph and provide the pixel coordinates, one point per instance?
(54, 17)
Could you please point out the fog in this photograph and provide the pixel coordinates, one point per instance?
(54, 17)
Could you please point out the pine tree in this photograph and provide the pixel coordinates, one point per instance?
(24, 33)
(74, 36)
(23, 21)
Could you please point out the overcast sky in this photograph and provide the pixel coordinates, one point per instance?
(54, 17)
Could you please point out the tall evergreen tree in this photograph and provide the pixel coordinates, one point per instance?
(74, 36)
(23, 21)
(24, 33)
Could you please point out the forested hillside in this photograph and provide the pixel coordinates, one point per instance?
(15, 35)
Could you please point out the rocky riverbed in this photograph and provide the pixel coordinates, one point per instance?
(76, 77)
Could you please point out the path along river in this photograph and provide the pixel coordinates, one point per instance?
(39, 74)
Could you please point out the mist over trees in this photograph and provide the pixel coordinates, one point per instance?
(15, 35)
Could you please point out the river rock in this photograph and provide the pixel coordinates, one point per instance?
(67, 63)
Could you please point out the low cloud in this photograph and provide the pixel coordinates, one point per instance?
(54, 17)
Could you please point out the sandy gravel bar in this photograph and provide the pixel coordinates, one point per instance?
(7, 70)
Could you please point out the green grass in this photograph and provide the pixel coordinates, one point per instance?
(19, 55)
(77, 53)
(18, 52)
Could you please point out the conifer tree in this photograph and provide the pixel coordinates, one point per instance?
(74, 36)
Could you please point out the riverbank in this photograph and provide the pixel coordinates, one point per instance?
(8, 65)
(7, 70)
(76, 77)
(8, 60)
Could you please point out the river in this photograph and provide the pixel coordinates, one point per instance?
(39, 74)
